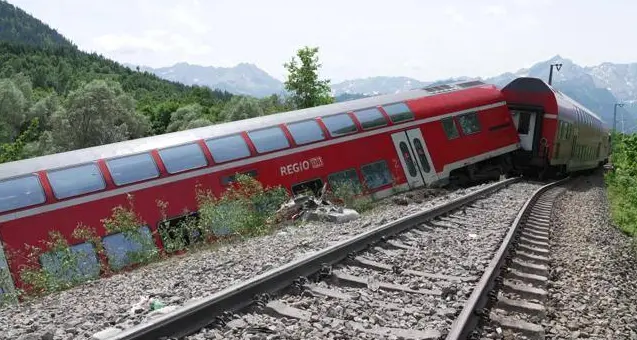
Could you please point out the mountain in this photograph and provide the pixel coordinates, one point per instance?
(246, 79)
(17, 26)
(376, 85)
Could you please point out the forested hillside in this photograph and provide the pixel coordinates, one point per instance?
(54, 97)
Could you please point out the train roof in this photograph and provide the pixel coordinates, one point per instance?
(531, 84)
(139, 145)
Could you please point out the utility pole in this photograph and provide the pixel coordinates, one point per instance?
(558, 67)
(615, 123)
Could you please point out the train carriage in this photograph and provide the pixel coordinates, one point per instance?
(557, 134)
(423, 137)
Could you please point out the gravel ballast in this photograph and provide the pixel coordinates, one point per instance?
(593, 281)
(123, 299)
(461, 244)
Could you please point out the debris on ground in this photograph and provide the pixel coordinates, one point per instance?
(307, 207)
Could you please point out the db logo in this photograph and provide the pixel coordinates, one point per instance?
(312, 163)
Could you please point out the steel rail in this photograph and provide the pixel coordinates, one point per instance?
(193, 317)
(470, 315)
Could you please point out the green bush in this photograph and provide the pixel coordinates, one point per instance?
(622, 183)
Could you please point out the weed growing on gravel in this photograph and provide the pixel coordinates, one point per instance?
(622, 183)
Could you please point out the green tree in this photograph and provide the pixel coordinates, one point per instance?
(12, 106)
(188, 117)
(241, 108)
(15, 151)
(303, 80)
(98, 113)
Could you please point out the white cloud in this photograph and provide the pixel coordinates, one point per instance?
(495, 10)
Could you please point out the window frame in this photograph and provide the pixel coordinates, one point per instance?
(104, 186)
(187, 169)
(132, 155)
(413, 115)
(42, 191)
(455, 126)
(212, 154)
(366, 185)
(323, 133)
(374, 108)
(360, 187)
(346, 114)
(462, 130)
(256, 148)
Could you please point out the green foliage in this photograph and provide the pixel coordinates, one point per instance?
(19, 27)
(303, 80)
(241, 108)
(246, 208)
(622, 183)
(15, 150)
(351, 196)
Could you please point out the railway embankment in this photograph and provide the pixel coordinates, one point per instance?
(593, 276)
(131, 297)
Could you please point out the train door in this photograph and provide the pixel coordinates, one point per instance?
(414, 157)
(525, 123)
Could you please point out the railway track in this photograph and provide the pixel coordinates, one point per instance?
(425, 276)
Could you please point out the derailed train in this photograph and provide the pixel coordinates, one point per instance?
(459, 132)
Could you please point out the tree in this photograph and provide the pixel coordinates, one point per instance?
(12, 106)
(95, 114)
(303, 80)
(187, 117)
(15, 151)
(241, 108)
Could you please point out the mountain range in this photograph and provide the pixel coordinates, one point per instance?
(597, 87)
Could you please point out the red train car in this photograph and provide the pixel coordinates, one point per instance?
(557, 134)
(406, 140)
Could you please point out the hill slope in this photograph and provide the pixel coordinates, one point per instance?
(17, 26)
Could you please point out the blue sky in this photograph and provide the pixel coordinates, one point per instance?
(424, 39)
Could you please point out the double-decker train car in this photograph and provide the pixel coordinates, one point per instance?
(557, 134)
(406, 140)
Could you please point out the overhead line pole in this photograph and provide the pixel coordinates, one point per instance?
(558, 67)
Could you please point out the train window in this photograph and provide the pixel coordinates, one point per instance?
(524, 123)
(411, 167)
(178, 232)
(370, 118)
(76, 181)
(399, 112)
(183, 157)
(345, 181)
(306, 132)
(340, 124)
(125, 248)
(228, 148)
(72, 265)
(312, 187)
(422, 156)
(20, 192)
(130, 169)
(469, 123)
(225, 180)
(376, 174)
(450, 128)
(269, 139)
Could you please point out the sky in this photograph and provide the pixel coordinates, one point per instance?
(423, 39)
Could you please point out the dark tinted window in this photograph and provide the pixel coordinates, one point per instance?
(450, 128)
(121, 248)
(183, 157)
(370, 118)
(399, 112)
(20, 192)
(469, 123)
(411, 167)
(225, 180)
(345, 182)
(339, 125)
(132, 169)
(306, 132)
(228, 148)
(74, 264)
(422, 157)
(269, 139)
(77, 180)
(524, 123)
(376, 174)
